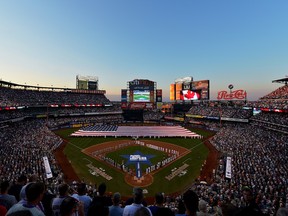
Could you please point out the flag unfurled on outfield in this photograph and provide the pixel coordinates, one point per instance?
(140, 131)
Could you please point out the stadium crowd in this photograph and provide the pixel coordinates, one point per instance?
(153, 115)
(270, 104)
(279, 93)
(226, 112)
(99, 119)
(11, 97)
(22, 148)
(259, 183)
(277, 99)
(259, 162)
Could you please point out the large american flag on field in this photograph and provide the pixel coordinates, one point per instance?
(138, 131)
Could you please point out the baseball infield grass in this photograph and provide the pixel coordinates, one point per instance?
(178, 184)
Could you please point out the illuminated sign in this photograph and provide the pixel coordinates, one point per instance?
(237, 94)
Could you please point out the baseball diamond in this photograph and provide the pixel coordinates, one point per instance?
(99, 151)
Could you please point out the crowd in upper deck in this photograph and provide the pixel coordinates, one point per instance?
(277, 99)
(19, 97)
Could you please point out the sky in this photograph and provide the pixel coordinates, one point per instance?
(239, 42)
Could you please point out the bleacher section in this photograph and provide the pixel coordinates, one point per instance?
(18, 97)
(277, 99)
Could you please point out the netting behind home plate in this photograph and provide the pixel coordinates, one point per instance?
(136, 131)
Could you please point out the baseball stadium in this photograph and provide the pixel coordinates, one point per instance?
(216, 148)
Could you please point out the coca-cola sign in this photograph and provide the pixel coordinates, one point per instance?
(237, 94)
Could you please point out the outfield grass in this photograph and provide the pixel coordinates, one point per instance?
(79, 161)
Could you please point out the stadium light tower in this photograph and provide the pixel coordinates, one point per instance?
(230, 88)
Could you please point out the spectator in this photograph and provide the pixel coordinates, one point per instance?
(34, 193)
(138, 196)
(16, 188)
(142, 211)
(159, 201)
(3, 210)
(5, 199)
(32, 178)
(63, 190)
(101, 198)
(191, 202)
(71, 207)
(115, 209)
(82, 196)
(282, 212)
(164, 211)
(250, 207)
(229, 209)
(20, 213)
(202, 208)
(47, 202)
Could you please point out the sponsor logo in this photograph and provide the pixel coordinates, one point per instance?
(237, 94)
(137, 158)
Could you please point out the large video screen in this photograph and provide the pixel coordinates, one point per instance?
(141, 96)
(190, 95)
(92, 85)
(203, 87)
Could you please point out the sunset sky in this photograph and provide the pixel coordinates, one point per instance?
(243, 43)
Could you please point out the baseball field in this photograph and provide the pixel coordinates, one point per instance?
(96, 159)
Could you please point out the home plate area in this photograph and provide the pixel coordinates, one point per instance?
(137, 176)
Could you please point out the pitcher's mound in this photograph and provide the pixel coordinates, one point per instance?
(144, 181)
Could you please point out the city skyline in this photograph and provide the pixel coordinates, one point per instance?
(241, 43)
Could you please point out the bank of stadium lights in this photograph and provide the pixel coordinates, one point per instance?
(184, 80)
(87, 78)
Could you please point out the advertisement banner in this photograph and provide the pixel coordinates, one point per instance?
(194, 116)
(151, 96)
(178, 91)
(47, 167)
(149, 106)
(124, 105)
(234, 119)
(138, 84)
(123, 95)
(212, 117)
(159, 105)
(159, 95)
(172, 92)
(237, 94)
(228, 171)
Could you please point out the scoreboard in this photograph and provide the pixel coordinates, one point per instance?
(141, 94)
(188, 90)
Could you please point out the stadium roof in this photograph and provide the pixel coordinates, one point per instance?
(10, 84)
(52, 88)
(283, 80)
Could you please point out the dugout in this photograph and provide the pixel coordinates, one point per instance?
(133, 115)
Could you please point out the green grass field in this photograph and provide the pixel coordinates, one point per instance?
(79, 161)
